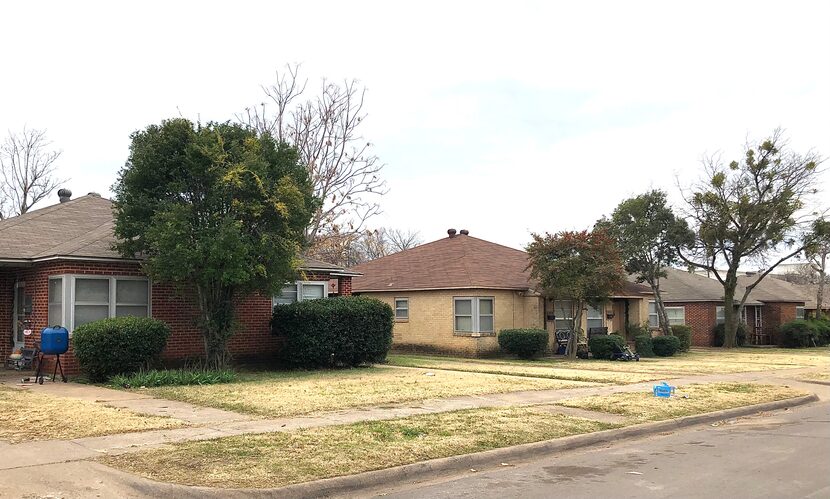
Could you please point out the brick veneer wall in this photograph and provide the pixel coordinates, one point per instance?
(175, 307)
(774, 314)
(701, 317)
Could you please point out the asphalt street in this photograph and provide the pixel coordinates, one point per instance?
(785, 454)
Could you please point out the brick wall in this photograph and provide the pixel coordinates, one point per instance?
(701, 317)
(774, 315)
(176, 307)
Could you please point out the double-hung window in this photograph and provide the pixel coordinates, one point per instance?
(75, 300)
(676, 315)
(301, 291)
(401, 309)
(720, 315)
(473, 314)
(564, 313)
(799, 312)
(595, 318)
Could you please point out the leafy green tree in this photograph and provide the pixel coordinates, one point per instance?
(817, 251)
(214, 207)
(582, 267)
(648, 234)
(749, 211)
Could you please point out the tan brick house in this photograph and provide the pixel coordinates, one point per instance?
(57, 268)
(456, 293)
(697, 301)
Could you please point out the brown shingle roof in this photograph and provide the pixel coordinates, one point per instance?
(456, 262)
(79, 228)
(459, 262)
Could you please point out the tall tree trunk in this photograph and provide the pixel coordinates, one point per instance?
(217, 323)
(573, 340)
(730, 326)
(662, 316)
(820, 293)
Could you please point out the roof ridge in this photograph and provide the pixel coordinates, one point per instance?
(35, 214)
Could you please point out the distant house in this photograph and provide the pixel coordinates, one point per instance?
(697, 301)
(455, 294)
(57, 267)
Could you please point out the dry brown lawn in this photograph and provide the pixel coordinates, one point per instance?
(305, 392)
(697, 361)
(818, 376)
(688, 400)
(278, 459)
(26, 416)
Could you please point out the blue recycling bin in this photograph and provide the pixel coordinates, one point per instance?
(663, 390)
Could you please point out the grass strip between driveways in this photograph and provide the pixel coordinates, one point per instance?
(534, 369)
(688, 400)
(278, 459)
(26, 416)
(294, 393)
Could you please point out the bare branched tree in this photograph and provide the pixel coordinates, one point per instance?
(27, 171)
(352, 249)
(399, 240)
(326, 131)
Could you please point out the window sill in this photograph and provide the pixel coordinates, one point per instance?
(401, 320)
(472, 335)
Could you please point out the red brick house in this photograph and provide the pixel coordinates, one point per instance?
(697, 301)
(57, 267)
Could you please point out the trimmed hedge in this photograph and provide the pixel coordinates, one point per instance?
(118, 345)
(802, 333)
(644, 345)
(684, 334)
(336, 332)
(719, 334)
(525, 343)
(602, 347)
(665, 346)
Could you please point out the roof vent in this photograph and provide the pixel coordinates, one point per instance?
(465, 232)
(451, 232)
(93, 194)
(64, 195)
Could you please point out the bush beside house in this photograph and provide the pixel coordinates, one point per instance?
(118, 345)
(339, 332)
(719, 334)
(665, 346)
(524, 343)
(603, 346)
(643, 345)
(802, 333)
(684, 334)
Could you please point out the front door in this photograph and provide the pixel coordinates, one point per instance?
(19, 314)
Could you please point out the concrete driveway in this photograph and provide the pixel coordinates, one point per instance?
(780, 455)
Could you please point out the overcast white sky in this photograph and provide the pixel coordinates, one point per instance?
(498, 117)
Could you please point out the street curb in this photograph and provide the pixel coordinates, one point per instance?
(446, 466)
(815, 381)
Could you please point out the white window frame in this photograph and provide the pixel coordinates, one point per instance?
(720, 314)
(49, 301)
(68, 305)
(601, 317)
(475, 310)
(299, 285)
(801, 315)
(569, 309)
(653, 304)
(405, 309)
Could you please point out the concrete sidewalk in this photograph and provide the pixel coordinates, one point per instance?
(209, 423)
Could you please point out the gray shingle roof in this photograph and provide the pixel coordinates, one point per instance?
(773, 290)
(683, 286)
(79, 228)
